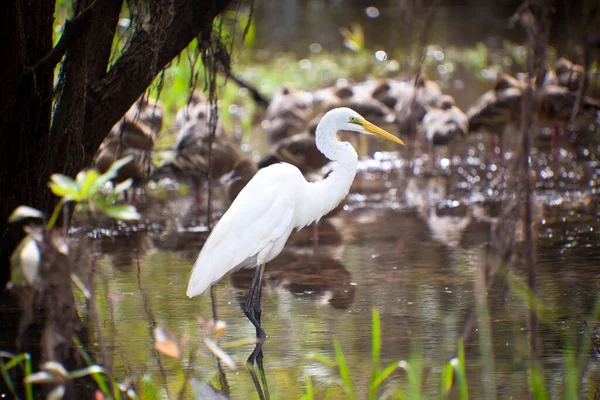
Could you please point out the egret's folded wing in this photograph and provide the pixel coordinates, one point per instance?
(263, 210)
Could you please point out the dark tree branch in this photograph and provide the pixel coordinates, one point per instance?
(258, 97)
(73, 28)
(110, 97)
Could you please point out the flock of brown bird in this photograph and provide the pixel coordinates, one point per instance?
(418, 108)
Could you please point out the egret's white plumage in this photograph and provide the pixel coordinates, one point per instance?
(278, 200)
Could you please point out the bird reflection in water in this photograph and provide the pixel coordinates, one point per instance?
(447, 219)
(313, 275)
(308, 275)
(124, 249)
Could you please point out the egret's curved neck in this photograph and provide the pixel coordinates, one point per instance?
(324, 196)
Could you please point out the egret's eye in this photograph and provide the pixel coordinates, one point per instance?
(354, 120)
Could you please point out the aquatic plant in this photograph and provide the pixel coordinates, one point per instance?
(89, 194)
(453, 373)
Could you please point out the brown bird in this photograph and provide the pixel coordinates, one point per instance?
(554, 104)
(299, 150)
(413, 103)
(149, 111)
(184, 114)
(242, 172)
(359, 97)
(196, 126)
(126, 138)
(497, 108)
(443, 126)
(551, 105)
(568, 74)
(288, 99)
(288, 113)
(191, 158)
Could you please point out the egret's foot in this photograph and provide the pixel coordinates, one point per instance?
(256, 360)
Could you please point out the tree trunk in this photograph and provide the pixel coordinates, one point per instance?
(43, 132)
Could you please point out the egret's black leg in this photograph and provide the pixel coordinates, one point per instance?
(253, 311)
(254, 315)
(249, 311)
(261, 339)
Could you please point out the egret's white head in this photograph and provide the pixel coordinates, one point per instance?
(349, 120)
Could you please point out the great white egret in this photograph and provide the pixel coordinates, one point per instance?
(276, 201)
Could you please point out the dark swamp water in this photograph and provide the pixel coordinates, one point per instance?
(411, 240)
(417, 252)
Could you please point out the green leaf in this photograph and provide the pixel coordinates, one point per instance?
(65, 187)
(344, 372)
(111, 173)
(86, 180)
(23, 212)
(124, 212)
(123, 186)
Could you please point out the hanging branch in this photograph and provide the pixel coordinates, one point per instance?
(258, 97)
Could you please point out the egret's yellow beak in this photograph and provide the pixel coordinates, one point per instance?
(375, 130)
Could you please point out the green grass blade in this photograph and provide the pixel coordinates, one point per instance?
(28, 371)
(415, 372)
(446, 381)
(461, 372)
(572, 375)
(149, 386)
(19, 359)
(344, 373)
(99, 378)
(14, 359)
(56, 213)
(7, 379)
(310, 391)
(376, 382)
(538, 384)
(376, 342)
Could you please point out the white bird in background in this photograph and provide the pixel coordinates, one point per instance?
(276, 201)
